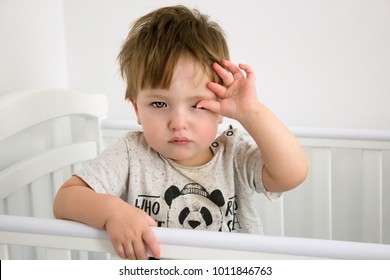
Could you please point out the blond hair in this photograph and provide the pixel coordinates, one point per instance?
(157, 40)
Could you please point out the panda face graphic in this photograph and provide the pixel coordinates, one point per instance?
(194, 208)
(196, 216)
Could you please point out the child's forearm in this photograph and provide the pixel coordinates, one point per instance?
(82, 204)
(285, 164)
(127, 226)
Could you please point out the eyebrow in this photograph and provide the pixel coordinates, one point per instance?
(156, 96)
(203, 97)
(197, 97)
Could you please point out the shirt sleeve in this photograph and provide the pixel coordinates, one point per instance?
(249, 163)
(108, 173)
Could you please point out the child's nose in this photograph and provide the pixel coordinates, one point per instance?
(178, 120)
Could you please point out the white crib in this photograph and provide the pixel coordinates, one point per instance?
(341, 211)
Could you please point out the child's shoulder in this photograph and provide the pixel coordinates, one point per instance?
(232, 134)
(233, 138)
(135, 139)
(130, 141)
(134, 135)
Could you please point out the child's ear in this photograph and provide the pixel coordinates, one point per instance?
(136, 110)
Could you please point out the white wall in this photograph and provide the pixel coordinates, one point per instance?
(32, 47)
(323, 63)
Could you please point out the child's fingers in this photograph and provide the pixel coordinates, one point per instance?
(248, 70)
(149, 239)
(226, 77)
(234, 70)
(129, 251)
(121, 249)
(152, 243)
(218, 89)
(209, 104)
(139, 249)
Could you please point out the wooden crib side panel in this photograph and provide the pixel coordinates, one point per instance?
(346, 194)
(385, 199)
(307, 209)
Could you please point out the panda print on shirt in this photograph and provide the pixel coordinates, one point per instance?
(194, 208)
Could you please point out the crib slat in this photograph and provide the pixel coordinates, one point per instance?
(4, 253)
(18, 203)
(57, 179)
(274, 217)
(2, 206)
(271, 214)
(307, 209)
(295, 211)
(58, 254)
(371, 216)
(386, 197)
(347, 185)
(41, 197)
(321, 194)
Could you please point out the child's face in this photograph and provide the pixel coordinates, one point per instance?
(172, 124)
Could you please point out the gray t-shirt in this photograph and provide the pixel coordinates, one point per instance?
(215, 196)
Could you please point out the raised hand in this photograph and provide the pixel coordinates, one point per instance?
(237, 96)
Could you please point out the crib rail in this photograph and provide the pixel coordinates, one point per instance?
(58, 237)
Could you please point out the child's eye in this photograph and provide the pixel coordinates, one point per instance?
(195, 106)
(159, 104)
